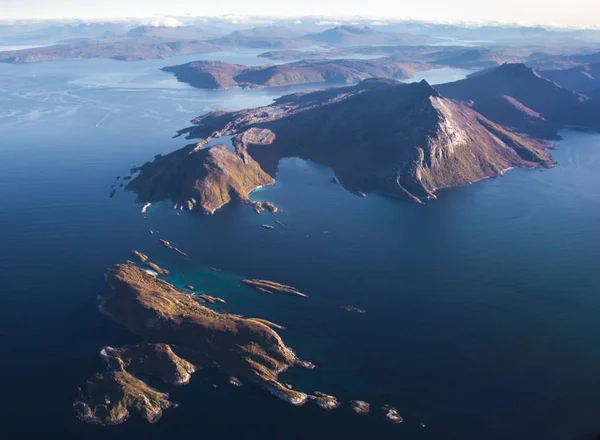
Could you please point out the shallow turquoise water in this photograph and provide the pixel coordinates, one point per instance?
(481, 306)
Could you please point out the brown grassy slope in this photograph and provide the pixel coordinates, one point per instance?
(155, 310)
(200, 179)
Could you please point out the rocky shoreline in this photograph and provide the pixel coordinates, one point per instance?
(186, 337)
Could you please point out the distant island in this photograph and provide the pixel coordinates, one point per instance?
(221, 75)
(400, 140)
(122, 49)
(147, 42)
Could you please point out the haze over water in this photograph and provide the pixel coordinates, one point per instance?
(482, 306)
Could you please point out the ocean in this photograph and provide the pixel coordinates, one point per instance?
(481, 306)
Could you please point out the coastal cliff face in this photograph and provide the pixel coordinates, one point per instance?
(381, 136)
(189, 336)
(220, 75)
(516, 96)
(198, 178)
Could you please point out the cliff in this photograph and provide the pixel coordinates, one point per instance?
(220, 75)
(516, 96)
(187, 336)
(401, 140)
(197, 178)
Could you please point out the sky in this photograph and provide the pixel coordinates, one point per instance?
(580, 13)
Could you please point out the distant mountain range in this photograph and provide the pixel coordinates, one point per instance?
(354, 36)
(220, 75)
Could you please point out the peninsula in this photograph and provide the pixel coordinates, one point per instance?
(400, 140)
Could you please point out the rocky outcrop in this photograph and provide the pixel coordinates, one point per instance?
(325, 401)
(391, 414)
(353, 309)
(187, 336)
(142, 257)
(272, 287)
(112, 397)
(156, 268)
(360, 406)
(168, 245)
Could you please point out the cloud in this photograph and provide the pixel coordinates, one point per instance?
(162, 22)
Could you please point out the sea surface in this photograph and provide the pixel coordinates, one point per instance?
(482, 306)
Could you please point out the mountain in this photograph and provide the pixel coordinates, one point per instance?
(545, 61)
(516, 96)
(401, 140)
(479, 58)
(169, 32)
(220, 75)
(198, 178)
(354, 36)
(267, 37)
(582, 79)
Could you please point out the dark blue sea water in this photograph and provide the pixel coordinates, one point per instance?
(482, 306)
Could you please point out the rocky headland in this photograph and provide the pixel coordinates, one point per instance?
(200, 179)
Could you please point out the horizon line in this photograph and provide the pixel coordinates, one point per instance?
(327, 20)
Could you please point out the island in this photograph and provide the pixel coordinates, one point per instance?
(120, 49)
(272, 287)
(399, 140)
(220, 75)
(183, 336)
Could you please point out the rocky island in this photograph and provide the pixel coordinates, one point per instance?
(183, 336)
(400, 140)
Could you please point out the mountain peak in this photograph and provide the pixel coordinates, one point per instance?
(514, 69)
